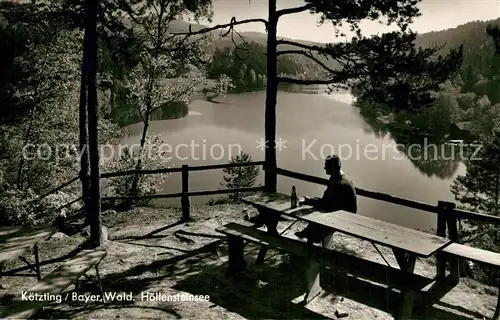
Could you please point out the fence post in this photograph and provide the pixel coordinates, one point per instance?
(451, 222)
(185, 189)
(441, 232)
(270, 178)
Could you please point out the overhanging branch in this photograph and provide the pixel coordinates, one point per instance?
(293, 10)
(308, 55)
(305, 82)
(220, 26)
(324, 51)
(177, 97)
(335, 77)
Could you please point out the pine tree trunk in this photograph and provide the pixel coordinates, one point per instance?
(271, 100)
(95, 199)
(134, 190)
(84, 161)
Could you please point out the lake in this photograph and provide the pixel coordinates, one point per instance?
(311, 126)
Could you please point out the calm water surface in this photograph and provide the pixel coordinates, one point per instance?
(320, 122)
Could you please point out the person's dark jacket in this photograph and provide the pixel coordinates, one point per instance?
(339, 195)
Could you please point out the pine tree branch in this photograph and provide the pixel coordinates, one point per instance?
(308, 55)
(306, 82)
(322, 50)
(220, 26)
(293, 10)
(477, 236)
(179, 95)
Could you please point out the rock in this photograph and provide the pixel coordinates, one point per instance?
(105, 233)
(340, 313)
(59, 235)
(85, 232)
(4, 286)
(244, 210)
(110, 211)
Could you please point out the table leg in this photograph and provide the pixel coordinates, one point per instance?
(406, 262)
(328, 241)
(313, 287)
(313, 284)
(270, 220)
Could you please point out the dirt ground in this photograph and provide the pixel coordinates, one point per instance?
(149, 251)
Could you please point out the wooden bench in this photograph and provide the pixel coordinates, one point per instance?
(14, 242)
(480, 256)
(341, 262)
(54, 284)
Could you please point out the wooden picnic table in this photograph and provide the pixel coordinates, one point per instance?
(21, 241)
(272, 206)
(406, 243)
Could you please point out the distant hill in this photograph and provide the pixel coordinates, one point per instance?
(472, 35)
(250, 36)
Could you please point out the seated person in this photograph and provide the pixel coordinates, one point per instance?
(339, 195)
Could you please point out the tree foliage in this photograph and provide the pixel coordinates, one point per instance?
(471, 95)
(246, 65)
(41, 149)
(479, 189)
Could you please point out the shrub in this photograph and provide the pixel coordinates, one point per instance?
(240, 177)
(152, 157)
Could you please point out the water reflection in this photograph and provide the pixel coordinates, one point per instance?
(129, 115)
(432, 159)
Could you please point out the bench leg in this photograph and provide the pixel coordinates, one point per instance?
(313, 287)
(271, 221)
(36, 267)
(37, 263)
(261, 256)
(496, 316)
(100, 283)
(236, 255)
(406, 262)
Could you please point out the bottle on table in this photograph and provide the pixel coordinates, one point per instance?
(294, 198)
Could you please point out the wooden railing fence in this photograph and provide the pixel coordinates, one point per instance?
(448, 215)
(185, 194)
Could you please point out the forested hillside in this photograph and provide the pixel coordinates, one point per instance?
(246, 65)
(242, 57)
(470, 98)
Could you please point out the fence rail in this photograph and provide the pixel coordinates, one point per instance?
(460, 214)
(180, 169)
(185, 194)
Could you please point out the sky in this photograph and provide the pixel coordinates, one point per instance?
(436, 15)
